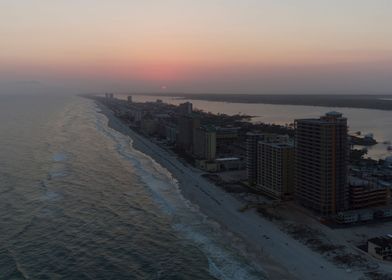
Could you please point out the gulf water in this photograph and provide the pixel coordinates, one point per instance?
(77, 201)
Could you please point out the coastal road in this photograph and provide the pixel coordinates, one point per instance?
(261, 235)
(281, 256)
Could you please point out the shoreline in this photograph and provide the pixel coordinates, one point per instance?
(278, 254)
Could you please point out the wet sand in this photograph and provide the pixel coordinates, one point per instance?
(278, 254)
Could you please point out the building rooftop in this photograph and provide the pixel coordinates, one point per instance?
(278, 144)
(327, 118)
(228, 159)
(334, 114)
(383, 241)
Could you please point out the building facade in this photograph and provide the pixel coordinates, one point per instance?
(171, 133)
(148, 126)
(186, 127)
(252, 140)
(321, 163)
(365, 197)
(275, 176)
(380, 247)
(251, 156)
(185, 108)
(204, 143)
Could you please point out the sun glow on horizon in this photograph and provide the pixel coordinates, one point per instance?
(203, 45)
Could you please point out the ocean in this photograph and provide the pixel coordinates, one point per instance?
(77, 201)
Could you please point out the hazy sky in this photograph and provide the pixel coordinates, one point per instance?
(250, 46)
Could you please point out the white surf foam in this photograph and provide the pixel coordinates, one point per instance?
(224, 263)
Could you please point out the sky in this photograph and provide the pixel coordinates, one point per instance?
(203, 46)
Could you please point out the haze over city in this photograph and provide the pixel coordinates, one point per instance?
(252, 46)
(196, 139)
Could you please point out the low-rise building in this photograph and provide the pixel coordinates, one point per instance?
(207, 165)
(347, 217)
(383, 212)
(364, 215)
(380, 247)
(230, 163)
(364, 193)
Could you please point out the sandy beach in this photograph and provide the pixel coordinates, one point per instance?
(278, 254)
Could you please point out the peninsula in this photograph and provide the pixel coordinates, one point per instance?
(281, 238)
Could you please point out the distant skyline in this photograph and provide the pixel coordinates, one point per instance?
(213, 46)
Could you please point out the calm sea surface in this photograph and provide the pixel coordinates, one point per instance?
(78, 202)
(377, 122)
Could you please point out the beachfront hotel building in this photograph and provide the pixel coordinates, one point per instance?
(252, 140)
(380, 247)
(109, 97)
(186, 127)
(185, 108)
(321, 163)
(275, 174)
(204, 143)
(251, 156)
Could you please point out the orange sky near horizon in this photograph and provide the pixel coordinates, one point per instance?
(181, 41)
